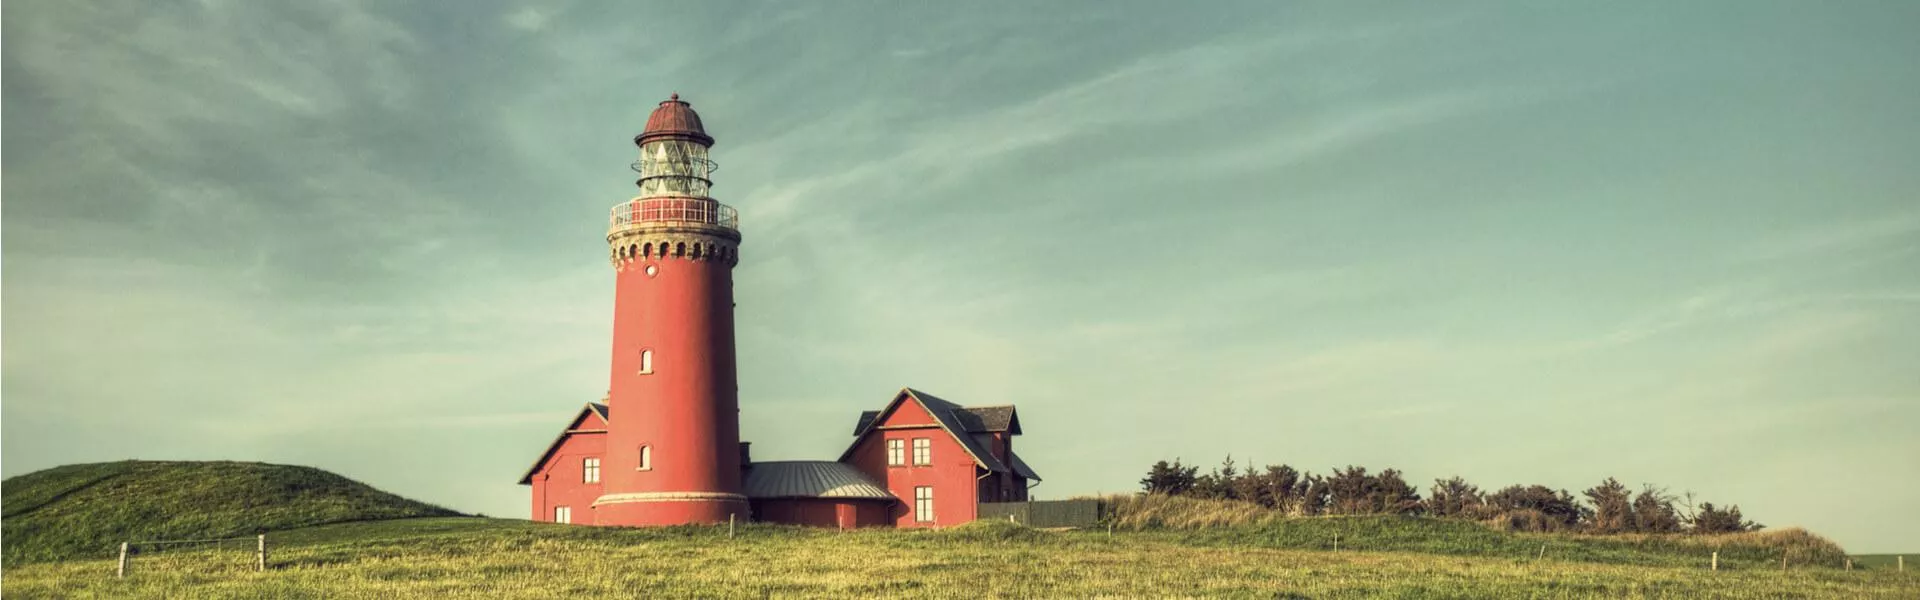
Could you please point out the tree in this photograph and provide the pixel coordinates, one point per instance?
(1612, 507)
(1280, 488)
(1392, 495)
(1217, 485)
(1455, 498)
(1535, 508)
(1715, 520)
(1653, 511)
(1353, 492)
(1348, 491)
(1317, 496)
(1170, 479)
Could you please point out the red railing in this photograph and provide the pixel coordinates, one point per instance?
(673, 210)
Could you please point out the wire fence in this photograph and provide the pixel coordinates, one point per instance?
(214, 554)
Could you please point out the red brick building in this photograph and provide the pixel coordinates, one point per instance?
(665, 446)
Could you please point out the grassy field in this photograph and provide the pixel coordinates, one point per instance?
(86, 510)
(484, 558)
(1885, 561)
(332, 537)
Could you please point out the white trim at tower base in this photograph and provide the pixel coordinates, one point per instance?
(670, 497)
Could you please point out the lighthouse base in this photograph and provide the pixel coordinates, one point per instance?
(669, 508)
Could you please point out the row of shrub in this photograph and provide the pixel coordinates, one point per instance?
(1609, 508)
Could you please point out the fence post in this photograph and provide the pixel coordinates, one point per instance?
(1849, 563)
(730, 525)
(123, 561)
(1716, 560)
(1783, 561)
(1543, 553)
(263, 553)
(1902, 562)
(1336, 541)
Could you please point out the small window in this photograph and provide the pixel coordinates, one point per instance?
(590, 470)
(646, 361)
(646, 458)
(896, 453)
(562, 514)
(922, 451)
(923, 504)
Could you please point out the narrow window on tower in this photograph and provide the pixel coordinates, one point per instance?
(646, 362)
(590, 470)
(922, 451)
(562, 514)
(646, 458)
(923, 504)
(896, 453)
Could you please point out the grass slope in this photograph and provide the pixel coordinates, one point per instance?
(1227, 523)
(495, 558)
(87, 510)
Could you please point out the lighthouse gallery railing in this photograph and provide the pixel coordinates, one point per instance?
(676, 210)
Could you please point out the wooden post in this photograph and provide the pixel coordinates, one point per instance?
(730, 525)
(1543, 553)
(1109, 530)
(1336, 541)
(123, 561)
(1716, 560)
(263, 553)
(1783, 560)
(1849, 563)
(1902, 562)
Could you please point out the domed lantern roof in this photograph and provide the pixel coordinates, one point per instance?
(674, 119)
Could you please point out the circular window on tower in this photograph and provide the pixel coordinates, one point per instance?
(652, 270)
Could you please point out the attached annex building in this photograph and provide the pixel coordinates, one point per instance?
(663, 448)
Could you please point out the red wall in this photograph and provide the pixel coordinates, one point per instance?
(558, 482)
(687, 409)
(952, 473)
(844, 513)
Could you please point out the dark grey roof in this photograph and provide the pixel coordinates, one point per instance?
(601, 409)
(943, 413)
(1020, 467)
(810, 479)
(978, 419)
(866, 417)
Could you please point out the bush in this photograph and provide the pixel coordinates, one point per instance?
(1714, 520)
(1535, 508)
(1612, 508)
(1172, 479)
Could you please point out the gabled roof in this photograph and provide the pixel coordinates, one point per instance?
(972, 419)
(810, 479)
(1020, 466)
(981, 419)
(945, 413)
(594, 408)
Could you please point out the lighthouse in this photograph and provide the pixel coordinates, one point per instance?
(663, 448)
(672, 451)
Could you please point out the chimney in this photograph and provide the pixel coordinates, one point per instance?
(746, 460)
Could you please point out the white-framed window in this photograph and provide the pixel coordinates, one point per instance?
(590, 469)
(562, 514)
(646, 361)
(923, 504)
(922, 451)
(896, 453)
(646, 459)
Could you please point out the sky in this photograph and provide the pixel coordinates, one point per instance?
(1669, 243)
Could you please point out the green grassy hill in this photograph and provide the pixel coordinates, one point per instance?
(85, 511)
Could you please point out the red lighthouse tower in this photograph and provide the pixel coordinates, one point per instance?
(673, 436)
